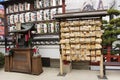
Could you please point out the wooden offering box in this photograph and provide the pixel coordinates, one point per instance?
(22, 60)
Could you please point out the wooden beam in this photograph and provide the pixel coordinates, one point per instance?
(82, 14)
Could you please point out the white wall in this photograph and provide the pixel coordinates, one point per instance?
(2, 49)
(50, 51)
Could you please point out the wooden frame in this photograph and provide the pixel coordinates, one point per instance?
(81, 15)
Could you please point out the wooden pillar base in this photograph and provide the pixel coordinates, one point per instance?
(67, 68)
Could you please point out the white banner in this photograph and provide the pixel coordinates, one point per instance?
(90, 5)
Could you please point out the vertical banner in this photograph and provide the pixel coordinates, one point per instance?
(1, 21)
(1, 11)
(1, 30)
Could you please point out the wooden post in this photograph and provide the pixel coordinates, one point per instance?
(108, 54)
(29, 42)
(61, 65)
(101, 67)
(36, 65)
(119, 59)
(63, 6)
(7, 63)
(17, 40)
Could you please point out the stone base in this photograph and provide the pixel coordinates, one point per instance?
(67, 68)
(80, 65)
(102, 78)
(61, 74)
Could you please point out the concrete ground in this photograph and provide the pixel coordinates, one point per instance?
(51, 74)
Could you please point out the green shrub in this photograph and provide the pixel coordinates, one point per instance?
(113, 52)
(104, 22)
(1, 59)
(104, 51)
(113, 11)
(115, 22)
